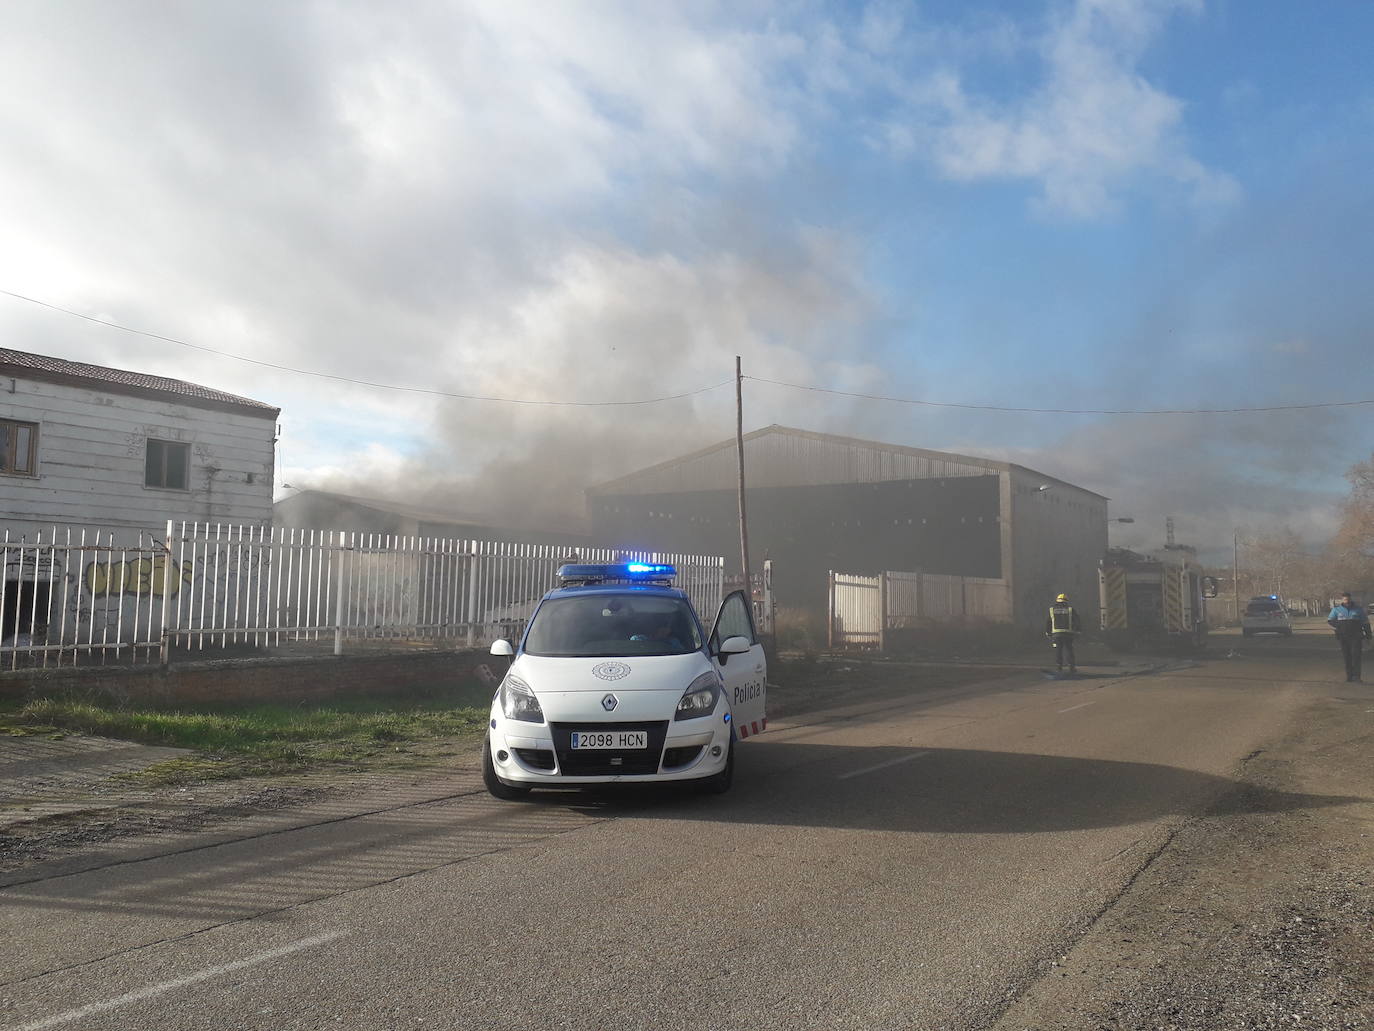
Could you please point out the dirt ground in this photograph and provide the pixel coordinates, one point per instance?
(41, 822)
(1247, 920)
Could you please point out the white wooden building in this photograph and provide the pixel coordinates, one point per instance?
(86, 446)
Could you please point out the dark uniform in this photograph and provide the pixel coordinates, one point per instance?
(1061, 626)
(1352, 630)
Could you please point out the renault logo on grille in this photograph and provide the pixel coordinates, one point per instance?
(609, 702)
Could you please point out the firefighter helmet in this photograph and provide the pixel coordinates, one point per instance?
(1062, 598)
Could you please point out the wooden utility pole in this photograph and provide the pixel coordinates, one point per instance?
(1235, 571)
(739, 447)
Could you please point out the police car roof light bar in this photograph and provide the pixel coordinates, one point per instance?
(621, 572)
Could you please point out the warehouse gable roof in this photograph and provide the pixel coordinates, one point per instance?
(139, 384)
(778, 456)
(383, 505)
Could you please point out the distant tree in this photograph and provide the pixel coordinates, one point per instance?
(1274, 561)
(1352, 548)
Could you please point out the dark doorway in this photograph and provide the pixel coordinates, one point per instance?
(25, 609)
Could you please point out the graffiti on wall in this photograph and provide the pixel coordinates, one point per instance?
(34, 564)
(138, 576)
(50, 597)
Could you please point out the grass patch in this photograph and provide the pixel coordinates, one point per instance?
(192, 770)
(245, 740)
(31, 730)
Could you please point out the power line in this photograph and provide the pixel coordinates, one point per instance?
(369, 383)
(1061, 411)
(684, 394)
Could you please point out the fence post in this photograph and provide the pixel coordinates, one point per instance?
(768, 611)
(336, 556)
(165, 656)
(882, 612)
(473, 571)
(830, 613)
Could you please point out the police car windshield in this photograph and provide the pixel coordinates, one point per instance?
(596, 625)
(1261, 608)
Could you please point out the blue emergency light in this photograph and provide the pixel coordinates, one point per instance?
(620, 572)
(647, 569)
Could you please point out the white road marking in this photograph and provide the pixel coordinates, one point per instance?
(181, 982)
(882, 766)
(1078, 706)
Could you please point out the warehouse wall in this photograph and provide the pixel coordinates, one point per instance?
(1058, 537)
(935, 525)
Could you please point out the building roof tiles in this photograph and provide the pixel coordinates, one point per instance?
(47, 367)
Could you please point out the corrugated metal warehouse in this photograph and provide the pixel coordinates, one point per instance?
(819, 502)
(328, 510)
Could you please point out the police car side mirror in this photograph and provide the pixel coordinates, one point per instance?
(733, 646)
(502, 648)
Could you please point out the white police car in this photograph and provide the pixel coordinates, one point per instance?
(615, 681)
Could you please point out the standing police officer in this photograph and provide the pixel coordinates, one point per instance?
(1061, 625)
(1352, 630)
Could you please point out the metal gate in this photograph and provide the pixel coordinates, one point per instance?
(857, 618)
(864, 608)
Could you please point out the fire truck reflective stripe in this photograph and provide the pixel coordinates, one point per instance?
(1114, 590)
(1173, 603)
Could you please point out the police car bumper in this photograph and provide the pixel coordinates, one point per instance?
(567, 753)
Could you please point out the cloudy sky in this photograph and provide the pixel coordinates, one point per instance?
(1080, 204)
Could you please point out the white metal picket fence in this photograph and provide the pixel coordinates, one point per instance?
(864, 608)
(79, 597)
(67, 594)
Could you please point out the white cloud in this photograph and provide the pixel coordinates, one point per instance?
(1093, 125)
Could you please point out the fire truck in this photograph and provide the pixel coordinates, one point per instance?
(1153, 601)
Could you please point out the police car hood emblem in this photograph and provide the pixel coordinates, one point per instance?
(609, 702)
(610, 671)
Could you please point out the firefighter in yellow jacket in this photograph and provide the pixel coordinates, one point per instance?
(1061, 626)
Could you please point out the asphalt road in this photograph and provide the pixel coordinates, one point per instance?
(912, 862)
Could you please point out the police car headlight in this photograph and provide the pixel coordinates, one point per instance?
(700, 698)
(518, 701)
